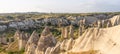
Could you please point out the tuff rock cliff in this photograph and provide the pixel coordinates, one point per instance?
(102, 38)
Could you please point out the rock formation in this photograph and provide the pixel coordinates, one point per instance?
(34, 23)
(3, 27)
(96, 40)
(53, 50)
(109, 24)
(93, 40)
(71, 31)
(64, 32)
(81, 27)
(32, 43)
(46, 40)
(115, 20)
(17, 34)
(3, 39)
(106, 41)
(23, 38)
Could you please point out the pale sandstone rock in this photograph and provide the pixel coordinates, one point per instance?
(22, 40)
(109, 24)
(63, 45)
(71, 31)
(99, 23)
(103, 40)
(48, 50)
(17, 34)
(53, 50)
(100, 40)
(32, 43)
(3, 40)
(46, 40)
(66, 33)
(69, 44)
(81, 27)
(115, 20)
(106, 41)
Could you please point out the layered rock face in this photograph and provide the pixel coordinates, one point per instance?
(115, 20)
(95, 40)
(92, 41)
(106, 23)
(105, 41)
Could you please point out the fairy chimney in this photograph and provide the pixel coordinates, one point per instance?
(46, 40)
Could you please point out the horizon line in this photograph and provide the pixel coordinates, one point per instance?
(59, 12)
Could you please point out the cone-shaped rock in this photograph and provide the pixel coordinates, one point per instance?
(45, 32)
(17, 34)
(22, 40)
(46, 40)
(53, 50)
(32, 43)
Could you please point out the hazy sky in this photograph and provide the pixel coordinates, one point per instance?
(74, 6)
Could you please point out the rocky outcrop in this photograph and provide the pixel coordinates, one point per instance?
(32, 43)
(64, 32)
(71, 31)
(62, 47)
(22, 38)
(97, 39)
(3, 27)
(46, 40)
(108, 22)
(17, 34)
(25, 24)
(53, 50)
(34, 23)
(36, 44)
(81, 27)
(3, 39)
(106, 41)
(93, 40)
(66, 45)
(115, 20)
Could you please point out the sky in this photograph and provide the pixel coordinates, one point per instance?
(59, 6)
